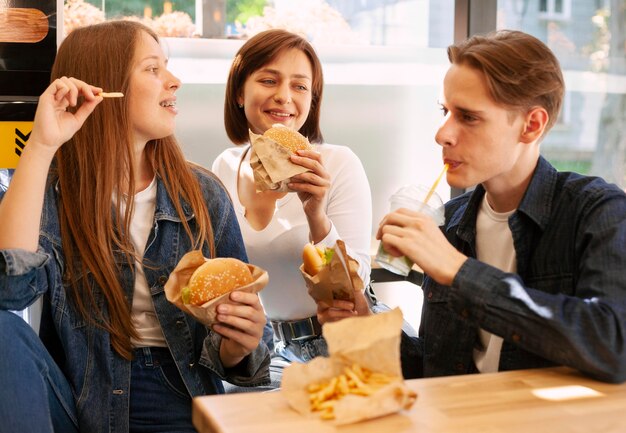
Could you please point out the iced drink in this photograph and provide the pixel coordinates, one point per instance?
(410, 197)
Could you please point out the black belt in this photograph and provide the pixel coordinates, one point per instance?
(297, 330)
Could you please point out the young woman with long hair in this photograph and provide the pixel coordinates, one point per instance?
(99, 211)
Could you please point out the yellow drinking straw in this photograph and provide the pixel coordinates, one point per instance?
(432, 188)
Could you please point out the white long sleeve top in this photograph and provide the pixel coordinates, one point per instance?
(278, 247)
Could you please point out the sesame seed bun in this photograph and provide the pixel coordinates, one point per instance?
(214, 278)
(288, 138)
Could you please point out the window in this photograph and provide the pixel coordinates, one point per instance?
(588, 137)
(554, 9)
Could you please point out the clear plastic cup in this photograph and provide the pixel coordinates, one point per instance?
(410, 197)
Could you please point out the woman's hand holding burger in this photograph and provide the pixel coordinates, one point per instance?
(241, 319)
(240, 322)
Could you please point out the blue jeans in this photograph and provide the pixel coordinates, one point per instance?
(159, 401)
(35, 396)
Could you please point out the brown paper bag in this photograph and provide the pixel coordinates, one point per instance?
(205, 313)
(373, 342)
(270, 164)
(334, 281)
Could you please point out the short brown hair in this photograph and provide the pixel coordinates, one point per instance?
(520, 70)
(257, 52)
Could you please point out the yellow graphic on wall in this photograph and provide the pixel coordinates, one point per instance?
(13, 138)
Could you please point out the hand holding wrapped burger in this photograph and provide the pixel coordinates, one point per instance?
(221, 293)
(270, 157)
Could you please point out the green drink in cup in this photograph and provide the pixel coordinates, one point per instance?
(418, 198)
(410, 197)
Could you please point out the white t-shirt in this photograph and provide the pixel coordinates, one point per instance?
(142, 313)
(494, 246)
(278, 247)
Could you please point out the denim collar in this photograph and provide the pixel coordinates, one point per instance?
(165, 210)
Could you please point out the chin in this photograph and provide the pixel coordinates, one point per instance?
(459, 182)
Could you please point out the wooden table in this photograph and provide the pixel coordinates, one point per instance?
(499, 402)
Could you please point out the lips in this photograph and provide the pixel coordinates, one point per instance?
(279, 114)
(452, 164)
(168, 103)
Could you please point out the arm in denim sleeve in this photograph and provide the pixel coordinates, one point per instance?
(583, 326)
(21, 276)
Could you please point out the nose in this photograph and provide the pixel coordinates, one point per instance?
(445, 135)
(283, 94)
(173, 82)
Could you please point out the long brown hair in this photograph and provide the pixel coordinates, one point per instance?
(95, 170)
(257, 52)
(521, 72)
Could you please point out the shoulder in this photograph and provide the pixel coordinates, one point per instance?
(228, 160)
(212, 187)
(589, 192)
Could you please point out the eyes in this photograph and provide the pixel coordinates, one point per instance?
(271, 82)
(462, 115)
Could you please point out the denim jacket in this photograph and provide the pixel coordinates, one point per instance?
(566, 305)
(99, 377)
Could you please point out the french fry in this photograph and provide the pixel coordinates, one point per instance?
(355, 380)
(111, 94)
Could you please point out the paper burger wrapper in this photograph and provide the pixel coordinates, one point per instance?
(270, 164)
(373, 342)
(337, 280)
(205, 313)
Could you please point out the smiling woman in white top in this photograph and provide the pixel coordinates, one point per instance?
(276, 77)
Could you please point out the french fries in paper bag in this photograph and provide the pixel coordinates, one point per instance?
(337, 280)
(270, 164)
(206, 313)
(372, 343)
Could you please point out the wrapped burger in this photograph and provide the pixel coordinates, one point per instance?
(198, 285)
(269, 157)
(330, 273)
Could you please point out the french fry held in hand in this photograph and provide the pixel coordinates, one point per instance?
(355, 380)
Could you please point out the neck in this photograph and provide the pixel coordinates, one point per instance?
(505, 195)
(142, 169)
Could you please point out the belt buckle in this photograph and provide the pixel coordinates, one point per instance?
(305, 322)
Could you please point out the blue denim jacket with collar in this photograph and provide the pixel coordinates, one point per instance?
(566, 305)
(99, 377)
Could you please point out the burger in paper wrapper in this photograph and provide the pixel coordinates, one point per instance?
(198, 285)
(371, 342)
(336, 279)
(269, 157)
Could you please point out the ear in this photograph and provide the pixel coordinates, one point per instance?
(534, 124)
(240, 99)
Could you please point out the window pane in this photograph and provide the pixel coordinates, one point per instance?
(589, 136)
(558, 6)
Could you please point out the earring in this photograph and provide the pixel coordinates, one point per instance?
(240, 105)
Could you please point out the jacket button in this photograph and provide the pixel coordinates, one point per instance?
(191, 365)
(465, 313)
(430, 295)
(179, 323)
(162, 280)
(516, 338)
(118, 391)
